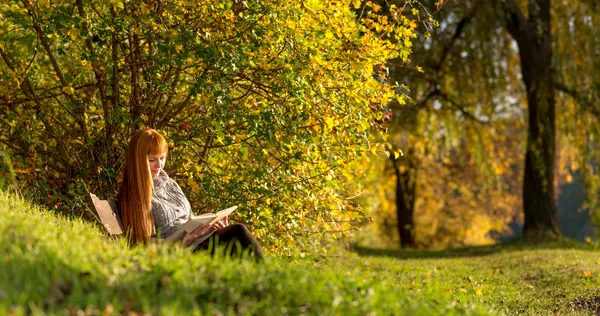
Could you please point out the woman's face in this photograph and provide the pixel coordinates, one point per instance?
(156, 164)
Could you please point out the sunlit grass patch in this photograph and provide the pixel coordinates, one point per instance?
(55, 265)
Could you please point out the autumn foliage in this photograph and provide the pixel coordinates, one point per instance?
(264, 103)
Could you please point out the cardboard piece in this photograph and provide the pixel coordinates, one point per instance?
(108, 215)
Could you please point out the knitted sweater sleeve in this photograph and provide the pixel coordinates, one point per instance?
(170, 208)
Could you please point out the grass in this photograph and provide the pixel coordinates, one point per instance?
(52, 265)
(557, 278)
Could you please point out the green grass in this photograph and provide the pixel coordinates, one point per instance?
(52, 265)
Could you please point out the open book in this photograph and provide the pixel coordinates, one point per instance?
(196, 220)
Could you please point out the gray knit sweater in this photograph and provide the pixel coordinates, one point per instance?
(170, 207)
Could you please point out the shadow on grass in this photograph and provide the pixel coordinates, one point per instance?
(474, 251)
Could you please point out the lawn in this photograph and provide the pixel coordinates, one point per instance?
(52, 265)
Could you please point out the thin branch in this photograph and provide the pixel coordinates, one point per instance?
(461, 108)
(41, 37)
(457, 33)
(516, 23)
(27, 89)
(577, 96)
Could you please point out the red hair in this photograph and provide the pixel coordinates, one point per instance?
(135, 194)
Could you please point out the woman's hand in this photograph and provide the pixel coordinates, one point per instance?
(222, 223)
(202, 229)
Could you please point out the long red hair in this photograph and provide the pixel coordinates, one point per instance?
(135, 194)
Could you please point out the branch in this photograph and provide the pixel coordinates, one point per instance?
(115, 59)
(46, 94)
(461, 108)
(516, 23)
(577, 96)
(134, 101)
(175, 112)
(430, 95)
(457, 33)
(41, 37)
(172, 92)
(27, 89)
(88, 43)
(40, 34)
(455, 105)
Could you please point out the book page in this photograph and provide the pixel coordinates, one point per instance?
(196, 220)
(223, 213)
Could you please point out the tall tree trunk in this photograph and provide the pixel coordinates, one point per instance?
(405, 202)
(539, 199)
(535, 49)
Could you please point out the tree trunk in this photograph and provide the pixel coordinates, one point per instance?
(539, 201)
(535, 49)
(405, 203)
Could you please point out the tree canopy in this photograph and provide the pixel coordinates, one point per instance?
(477, 95)
(264, 103)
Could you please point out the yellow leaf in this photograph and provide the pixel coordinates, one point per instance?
(498, 170)
(73, 33)
(373, 150)
(68, 90)
(328, 123)
(195, 187)
(569, 178)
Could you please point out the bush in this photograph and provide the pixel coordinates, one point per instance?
(264, 103)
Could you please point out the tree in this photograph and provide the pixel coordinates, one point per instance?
(405, 171)
(264, 103)
(534, 39)
(448, 115)
(469, 70)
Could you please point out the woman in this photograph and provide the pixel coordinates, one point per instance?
(152, 204)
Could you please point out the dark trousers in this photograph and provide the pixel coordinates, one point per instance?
(234, 239)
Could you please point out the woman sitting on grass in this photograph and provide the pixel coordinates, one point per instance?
(152, 204)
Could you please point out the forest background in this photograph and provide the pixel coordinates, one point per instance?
(316, 118)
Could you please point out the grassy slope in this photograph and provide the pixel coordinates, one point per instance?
(52, 265)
